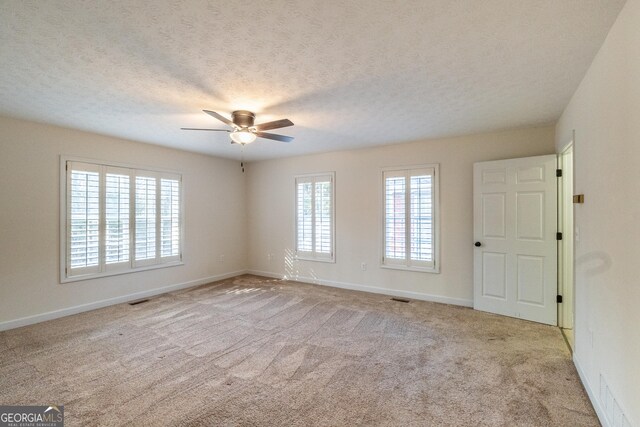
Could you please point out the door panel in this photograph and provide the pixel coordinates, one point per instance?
(530, 215)
(493, 214)
(515, 224)
(494, 270)
(531, 280)
(498, 176)
(530, 174)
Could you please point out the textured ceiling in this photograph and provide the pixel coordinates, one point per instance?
(347, 73)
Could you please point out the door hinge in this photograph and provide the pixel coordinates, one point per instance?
(558, 173)
(559, 299)
(558, 236)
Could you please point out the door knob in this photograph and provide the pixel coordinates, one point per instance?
(478, 244)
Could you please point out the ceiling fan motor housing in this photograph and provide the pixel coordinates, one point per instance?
(243, 118)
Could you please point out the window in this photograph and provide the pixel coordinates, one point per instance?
(315, 222)
(410, 218)
(118, 220)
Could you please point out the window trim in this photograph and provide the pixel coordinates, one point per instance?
(314, 256)
(116, 269)
(406, 265)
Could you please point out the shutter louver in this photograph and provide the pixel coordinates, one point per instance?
(84, 219)
(305, 217)
(117, 214)
(145, 199)
(395, 217)
(323, 218)
(421, 218)
(169, 218)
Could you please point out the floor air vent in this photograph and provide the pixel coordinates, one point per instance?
(400, 299)
(138, 302)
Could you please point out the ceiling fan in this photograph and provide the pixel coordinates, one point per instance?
(244, 131)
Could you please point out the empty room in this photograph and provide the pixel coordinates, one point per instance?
(319, 213)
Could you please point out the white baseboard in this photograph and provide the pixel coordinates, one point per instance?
(373, 289)
(591, 393)
(37, 318)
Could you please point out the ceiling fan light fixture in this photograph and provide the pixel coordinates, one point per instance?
(243, 136)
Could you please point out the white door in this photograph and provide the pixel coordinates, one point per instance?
(515, 259)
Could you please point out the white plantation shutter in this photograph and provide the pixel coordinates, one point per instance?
(409, 217)
(145, 208)
(304, 215)
(118, 219)
(169, 218)
(395, 217)
(323, 216)
(315, 217)
(83, 218)
(420, 187)
(117, 213)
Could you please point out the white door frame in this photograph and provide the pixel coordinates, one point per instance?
(566, 266)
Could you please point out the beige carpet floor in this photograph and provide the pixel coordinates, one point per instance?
(256, 351)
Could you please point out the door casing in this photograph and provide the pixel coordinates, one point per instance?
(566, 267)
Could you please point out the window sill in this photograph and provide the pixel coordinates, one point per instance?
(303, 258)
(78, 278)
(432, 270)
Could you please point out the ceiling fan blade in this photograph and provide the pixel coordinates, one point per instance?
(281, 138)
(223, 119)
(274, 125)
(214, 130)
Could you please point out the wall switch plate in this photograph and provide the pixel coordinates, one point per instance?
(363, 266)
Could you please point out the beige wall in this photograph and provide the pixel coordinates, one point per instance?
(219, 203)
(605, 114)
(215, 220)
(270, 188)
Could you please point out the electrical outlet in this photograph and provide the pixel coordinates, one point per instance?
(363, 266)
(270, 256)
(221, 258)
